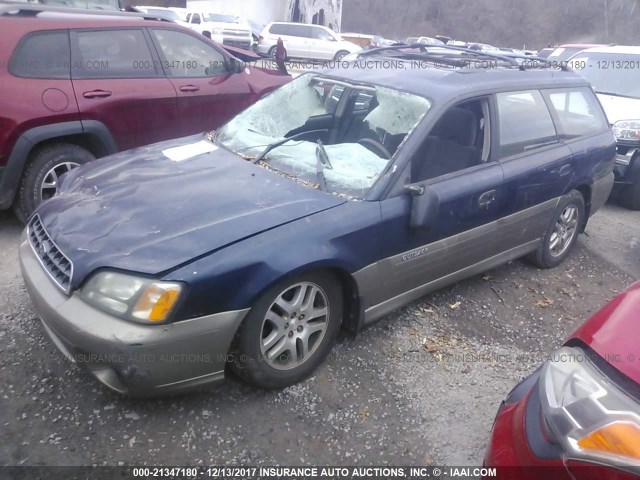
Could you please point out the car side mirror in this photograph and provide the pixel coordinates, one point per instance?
(235, 65)
(425, 206)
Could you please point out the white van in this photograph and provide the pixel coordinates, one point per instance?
(304, 41)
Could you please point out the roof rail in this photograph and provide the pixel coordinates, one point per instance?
(32, 9)
(436, 54)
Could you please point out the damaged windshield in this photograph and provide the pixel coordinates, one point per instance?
(341, 135)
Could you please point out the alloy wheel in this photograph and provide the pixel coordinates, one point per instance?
(294, 326)
(49, 185)
(564, 231)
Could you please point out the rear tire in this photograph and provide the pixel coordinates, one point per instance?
(40, 179)
(271, 348)
(562, 232)
(630, 197)
(272, 54)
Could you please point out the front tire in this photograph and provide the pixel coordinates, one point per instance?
(289, 331)
(40, 178)
(562, 232)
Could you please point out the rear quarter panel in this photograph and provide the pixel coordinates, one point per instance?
(29, 102)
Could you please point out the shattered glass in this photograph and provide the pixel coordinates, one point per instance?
(283, 113)
(397, 112)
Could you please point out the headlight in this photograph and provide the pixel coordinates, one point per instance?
(138, 299)
(627, 130)
(588, 414)
(216, 30)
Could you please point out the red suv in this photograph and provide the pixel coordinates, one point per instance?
(77, 85)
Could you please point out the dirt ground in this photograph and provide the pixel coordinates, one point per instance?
(419, 387)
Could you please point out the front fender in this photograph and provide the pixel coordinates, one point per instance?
(28, 140)
(343, 238)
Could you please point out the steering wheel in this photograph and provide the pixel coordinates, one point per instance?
(375, 147)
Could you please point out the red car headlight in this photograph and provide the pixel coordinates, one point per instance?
(589, 415)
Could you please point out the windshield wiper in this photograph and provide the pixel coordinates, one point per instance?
(322, 162)
(273, 145)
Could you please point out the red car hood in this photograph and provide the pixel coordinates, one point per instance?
(614, 332)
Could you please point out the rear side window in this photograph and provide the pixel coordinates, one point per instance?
(279, 29)
(525, 122)
(42, 55)
(299, 31)
(121, 53)
(577, 112)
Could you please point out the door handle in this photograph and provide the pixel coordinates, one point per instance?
(487, 198)
(189, 88)
(97, 94)
(565, 170)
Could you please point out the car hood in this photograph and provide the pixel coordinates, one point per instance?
(620, 108)
(614, 332)
(154, 208)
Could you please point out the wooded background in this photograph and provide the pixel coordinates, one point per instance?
(503, 23)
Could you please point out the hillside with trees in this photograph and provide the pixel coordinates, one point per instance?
(513, 23)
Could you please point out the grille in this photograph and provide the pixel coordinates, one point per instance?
(230, 31)
(55, 263)
(237, 43)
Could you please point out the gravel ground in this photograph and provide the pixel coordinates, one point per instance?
(419, 387)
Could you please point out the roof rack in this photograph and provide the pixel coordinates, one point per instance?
(31, 9)
(434, 53)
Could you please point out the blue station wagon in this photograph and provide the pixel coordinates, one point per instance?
(329, 203)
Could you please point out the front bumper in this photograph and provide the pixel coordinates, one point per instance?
(133, 359)
(626, 168)
(240, 42)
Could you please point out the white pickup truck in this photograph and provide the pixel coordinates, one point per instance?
(225, 29)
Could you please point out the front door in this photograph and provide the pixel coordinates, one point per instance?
(455, 164)
(208, 94)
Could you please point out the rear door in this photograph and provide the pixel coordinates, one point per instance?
(538, 167)
(119, 82)
(322, 45)
(208, 94)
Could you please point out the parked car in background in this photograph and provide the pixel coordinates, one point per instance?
(512, 51)
(162, 13)
(304, 41)
(329, 203)
(561, 54)
(111, 5)
(366, 41)
(80, 85)
(256, 30)
(424, 41)
(614, 73)
(224, 29)
(545, 52)
(580, 411)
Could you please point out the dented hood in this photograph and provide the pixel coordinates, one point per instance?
(154, 208)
